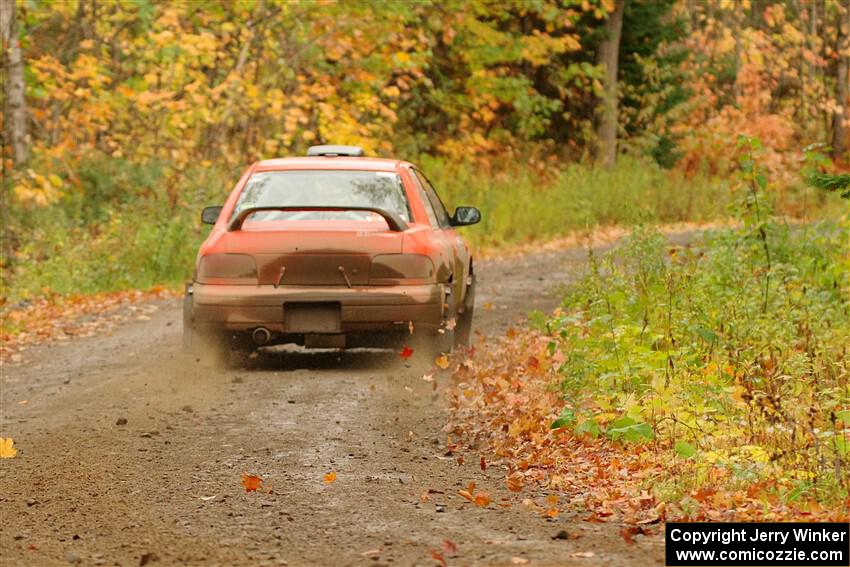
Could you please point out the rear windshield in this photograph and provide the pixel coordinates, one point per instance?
(379, 189)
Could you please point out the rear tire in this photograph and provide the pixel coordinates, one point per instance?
(239, 359)
(211, 350)
(235, 352)
(197, 346)
(463, 329)
(191, 337)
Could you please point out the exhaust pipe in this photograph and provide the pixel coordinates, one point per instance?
(261, 336)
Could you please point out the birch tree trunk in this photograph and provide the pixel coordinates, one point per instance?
(14, 109)
(608, 57)
(842, 84)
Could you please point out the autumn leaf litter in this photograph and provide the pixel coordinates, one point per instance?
(501, 401)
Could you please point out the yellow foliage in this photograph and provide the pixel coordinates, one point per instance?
(6, 449)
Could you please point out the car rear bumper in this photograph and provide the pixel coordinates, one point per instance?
(375, 308)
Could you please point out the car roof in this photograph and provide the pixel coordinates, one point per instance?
(329, 163)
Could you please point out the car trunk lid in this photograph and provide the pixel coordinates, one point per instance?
(313, 254)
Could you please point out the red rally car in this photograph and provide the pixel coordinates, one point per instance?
(332, 250)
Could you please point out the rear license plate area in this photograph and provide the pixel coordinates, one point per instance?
(311, 317)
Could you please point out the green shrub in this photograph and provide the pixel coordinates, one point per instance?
(732, 352)
(122, 229)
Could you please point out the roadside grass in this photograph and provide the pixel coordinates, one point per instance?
(738, 367)
(521, 204)
(124, 227)
(665, 386)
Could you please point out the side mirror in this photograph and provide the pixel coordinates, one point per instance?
(210, 214)
(465, 216)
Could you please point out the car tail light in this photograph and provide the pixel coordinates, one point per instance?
(234, 269)
(392, 269)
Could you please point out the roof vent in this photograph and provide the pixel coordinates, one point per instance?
(333, 151)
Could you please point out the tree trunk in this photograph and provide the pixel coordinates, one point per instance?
(842, 84)
(15, 107)
(607, 57)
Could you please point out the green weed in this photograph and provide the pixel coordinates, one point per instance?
(732, 352)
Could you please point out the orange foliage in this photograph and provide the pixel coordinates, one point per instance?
(505, 401)
(772, 94)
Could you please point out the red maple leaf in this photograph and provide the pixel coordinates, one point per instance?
(406, 352)
(251, 482)
(438, 557)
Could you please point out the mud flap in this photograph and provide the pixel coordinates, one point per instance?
(463, 329)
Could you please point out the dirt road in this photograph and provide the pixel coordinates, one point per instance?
(130, 455)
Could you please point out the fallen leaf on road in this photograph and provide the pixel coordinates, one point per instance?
(442, 362)
(519, 560)
(251, 482)
(371, 552)
(406, 352)
(482, 499)
(438, 557)
(330, 477)
(207, 498)
(6, 449)
(56, 317)
(488, 306)
(482, 463)
(449, 547)
(23, 402)
(583, 554)
(514, 482)
(630, 531)
(468, 493)
(428, 377)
